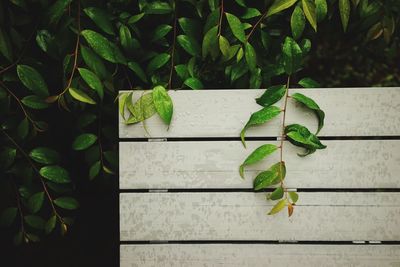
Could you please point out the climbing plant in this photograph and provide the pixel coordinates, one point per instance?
(63, 62)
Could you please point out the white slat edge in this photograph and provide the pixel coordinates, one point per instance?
(214, 164)
(253, 255)
(223, 113)
(242, 216)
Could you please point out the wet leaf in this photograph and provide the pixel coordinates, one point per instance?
(274, 175)
(258, 118)
(257, 155)
(84, 141)
(35, 202)
(55, 174)
(50, 225)
(81, 96)
(292, 56)
(92, 80)
(276, 194)
(236, 27)
(189, 44)
(163, 104)
(344, 8)
(67, 203)
(311, 104)
(157, 62)
(272, 95)
(297, 22)
(101, 18)
(280, 5)
(44, 155)
(194, 83)
(143, 109)
(35, 222)
(309, 11)
(34, 102)
(33, 80)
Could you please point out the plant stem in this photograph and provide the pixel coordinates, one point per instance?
(21, 214)
(221, 14)
(76, 50)
(282, 137)
(37, 171)
(256, 25)
(21, 106)
(173, 51)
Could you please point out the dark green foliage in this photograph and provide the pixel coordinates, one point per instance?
(63, 62)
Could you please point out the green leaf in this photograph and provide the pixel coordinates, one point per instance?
(321, 8)
(309, 11)
(297, 22)
(135, 18)
(50, 225)
(157, 62)
(309, 83)
(293, 196)
(23, 128)
(35, 202)
(81, 96)
(103, 47)
(138, 71)
(210, 43)
(44, 155)
(224, 46)
(190, 27)
(271, 95)
(92, 80)
(143, 109)
(94, 170)
(258, 118)
(33, 80)
(305, 46)
(125, 38)
(160, 32)
(7, 217)
(7, 157)
(344, 7)
(35, 221)
(276, 194)
(55, 11)
(157, 8)
(292, 56)
(163, 104)
(32, 237)
(122, 99)
(236, 27)
(5, 46)
(182, 71)
(55, 174)
(302, 137)
(84, 141)
(274, 175)
(251, 57)
(257, 155)
(311, 104)
(85, 119)
(278, 207)
(189, 44)
(94, 62)
(101, 18)
(280, 5)
(194, 83)
(67, 203)
(34, 102)
(251, 13)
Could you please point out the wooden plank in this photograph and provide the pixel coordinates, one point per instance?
(242, 216)
(223, 113)
(259, 255)
(214, 164)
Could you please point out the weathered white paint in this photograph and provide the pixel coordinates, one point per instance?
(223, 113)
(214, 164)
(253, 255)
(242, 216)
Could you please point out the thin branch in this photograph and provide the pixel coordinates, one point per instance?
(173, 51)
(37, 171)
(21, 106)
(21, 214)
(256, 25)
(282, 137)
(221, 14)
(76, 51)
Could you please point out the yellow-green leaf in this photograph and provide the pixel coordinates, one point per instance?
(344, 8)
(309, 11)
(81, 96)
(163, 103)
(278, 207)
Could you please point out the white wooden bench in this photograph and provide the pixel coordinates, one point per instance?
(183, 203)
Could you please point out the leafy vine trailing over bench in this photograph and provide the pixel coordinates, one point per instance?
(62, 63)
(297, 134)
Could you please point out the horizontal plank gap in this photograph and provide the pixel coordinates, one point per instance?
(298, 242)
(235, 190)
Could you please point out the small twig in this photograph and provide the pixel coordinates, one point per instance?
(37, 171)
(76, 51)
(282, 137)
(21, 106)
(173, 51)
(221, 14)
(256, 25)
(21, 214)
